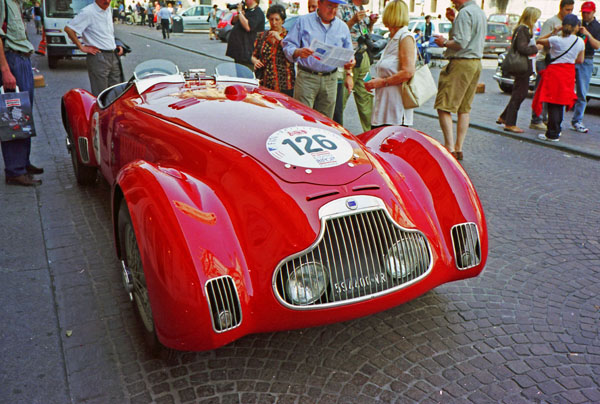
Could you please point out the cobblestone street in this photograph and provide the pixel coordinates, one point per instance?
(525, 331)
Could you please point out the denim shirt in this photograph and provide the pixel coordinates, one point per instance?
(309, 27)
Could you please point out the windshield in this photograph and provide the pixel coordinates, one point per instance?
(64, 8)
(497, 18)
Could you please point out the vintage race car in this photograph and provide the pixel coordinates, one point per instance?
(238, 210)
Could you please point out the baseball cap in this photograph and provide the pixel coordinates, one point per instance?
(588, 7)
(571, 19)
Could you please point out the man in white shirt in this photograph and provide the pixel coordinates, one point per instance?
(95, 24)
(165, 16)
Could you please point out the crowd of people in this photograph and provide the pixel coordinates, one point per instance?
(563, 57)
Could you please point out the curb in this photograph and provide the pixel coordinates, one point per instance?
(559, 146)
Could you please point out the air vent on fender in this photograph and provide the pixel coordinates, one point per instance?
(224, 303)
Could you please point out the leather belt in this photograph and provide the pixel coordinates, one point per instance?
(107, 51)
(316, 73)
(25, 55)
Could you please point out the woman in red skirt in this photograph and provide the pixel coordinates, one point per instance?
(557, 85)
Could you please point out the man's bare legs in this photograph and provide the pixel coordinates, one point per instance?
(445, 119)
(462, 126)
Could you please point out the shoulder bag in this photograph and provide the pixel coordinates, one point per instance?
(514, 63)
(420, 88)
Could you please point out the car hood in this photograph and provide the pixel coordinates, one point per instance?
(296, 143)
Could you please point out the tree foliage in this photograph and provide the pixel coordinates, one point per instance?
(501, 5)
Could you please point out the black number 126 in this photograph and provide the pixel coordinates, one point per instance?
(308, 144)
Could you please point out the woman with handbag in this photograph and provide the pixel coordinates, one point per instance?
(396, 66)
(557, 82)
(270, 64)
(522, 46)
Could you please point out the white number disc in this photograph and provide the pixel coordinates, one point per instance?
(304, 146)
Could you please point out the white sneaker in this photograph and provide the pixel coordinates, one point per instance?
(542, 136)
(578, 127)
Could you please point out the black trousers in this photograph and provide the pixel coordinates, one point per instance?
(519, 93)
(555, 117)
(164, 24)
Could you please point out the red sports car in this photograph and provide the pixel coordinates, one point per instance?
(238, 210)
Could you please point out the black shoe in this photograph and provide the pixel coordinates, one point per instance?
(31, 169)
(25, 180)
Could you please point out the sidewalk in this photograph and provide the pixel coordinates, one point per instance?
(488, 106)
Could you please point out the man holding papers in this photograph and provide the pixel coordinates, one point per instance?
(320, 43)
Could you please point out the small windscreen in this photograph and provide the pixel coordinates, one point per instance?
(234, 70)
(155, 67)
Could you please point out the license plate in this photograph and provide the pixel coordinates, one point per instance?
(78, 52)
(500, 50)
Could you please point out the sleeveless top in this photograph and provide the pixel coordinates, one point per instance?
(387, 107)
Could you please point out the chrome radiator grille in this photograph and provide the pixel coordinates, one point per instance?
(355, 252)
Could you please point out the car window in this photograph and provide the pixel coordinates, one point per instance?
(513, 19)
(445, 27)
(411, 25)
(188, 13)
(204, 10)
(497, 29)
(497, 18)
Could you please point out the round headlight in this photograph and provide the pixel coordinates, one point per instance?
(403, 258)
(307, 283)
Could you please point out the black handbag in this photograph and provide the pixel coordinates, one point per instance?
(514, 63)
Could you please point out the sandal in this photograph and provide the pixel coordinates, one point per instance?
(457, 155)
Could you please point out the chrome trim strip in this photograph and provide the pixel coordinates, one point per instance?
(369, 205)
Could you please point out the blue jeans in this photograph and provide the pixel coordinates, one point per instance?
(582, 85)
(16, 152)
(539, 66)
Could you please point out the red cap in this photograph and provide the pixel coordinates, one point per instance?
(588, 7)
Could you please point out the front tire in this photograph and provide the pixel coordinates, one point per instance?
(130, 254)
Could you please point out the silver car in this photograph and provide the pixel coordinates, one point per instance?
(594, 91)
(194, 18)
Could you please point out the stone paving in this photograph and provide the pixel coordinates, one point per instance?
(526, 330)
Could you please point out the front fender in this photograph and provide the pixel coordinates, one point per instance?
(185, 238)
(435, 178)
(77, 108)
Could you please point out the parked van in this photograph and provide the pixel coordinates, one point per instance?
(57, 13)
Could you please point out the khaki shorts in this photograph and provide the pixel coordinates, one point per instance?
(457, 84)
